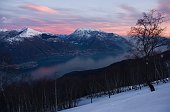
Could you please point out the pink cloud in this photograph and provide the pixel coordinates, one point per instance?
(40, 8)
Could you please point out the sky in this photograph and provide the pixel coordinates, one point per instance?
(64, 16)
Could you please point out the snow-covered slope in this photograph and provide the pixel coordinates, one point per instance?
(28, 32)
(87, 29)
(18, 34)
(133, 101)
(84, 32)
(3, 30)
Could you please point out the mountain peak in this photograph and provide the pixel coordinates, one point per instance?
(3, 30)
(28, 32)
(22, 34)
(85, 32)
(87, 29)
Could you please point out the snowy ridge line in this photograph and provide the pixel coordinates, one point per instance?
(28, 32)
(88, 29)
(3, 30)
(24, 33)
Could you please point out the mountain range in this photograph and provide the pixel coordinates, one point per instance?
(25, 45)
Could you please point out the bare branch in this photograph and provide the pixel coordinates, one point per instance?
(147, 33)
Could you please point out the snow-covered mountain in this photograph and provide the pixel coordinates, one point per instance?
(84, 32)
(17, 35)
(28, 32)
(27, 44)
(98, 40)
(87, 33)
(3, 30)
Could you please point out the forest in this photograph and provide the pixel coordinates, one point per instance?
(62, 93)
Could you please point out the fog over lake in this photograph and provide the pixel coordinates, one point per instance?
(75, 64)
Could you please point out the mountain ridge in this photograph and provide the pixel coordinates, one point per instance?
(24, 45)
(28, 32)
(29, 45)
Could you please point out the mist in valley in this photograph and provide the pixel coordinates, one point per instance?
(75, 64)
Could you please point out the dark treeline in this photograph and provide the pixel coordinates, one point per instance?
(63, 93)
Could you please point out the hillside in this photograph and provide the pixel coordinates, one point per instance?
(133, 101)
(68, 90)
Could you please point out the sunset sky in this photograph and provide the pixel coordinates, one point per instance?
(64, 16)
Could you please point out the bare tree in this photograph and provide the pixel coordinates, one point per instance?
(147, 33)
(56, 102)
(147, 36)
(91, 88)
(108, 84)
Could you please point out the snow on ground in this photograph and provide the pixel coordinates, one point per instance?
(132, 101)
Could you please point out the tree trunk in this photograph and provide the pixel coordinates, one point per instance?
(152, 88)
